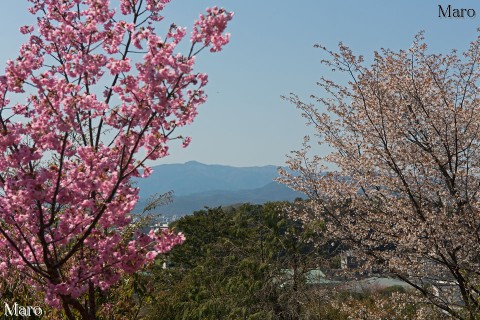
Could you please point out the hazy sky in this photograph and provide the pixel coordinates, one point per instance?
(245, 122)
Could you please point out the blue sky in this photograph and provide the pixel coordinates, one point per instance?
(245, 122)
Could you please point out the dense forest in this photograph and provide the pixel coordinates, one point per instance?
(245, 262)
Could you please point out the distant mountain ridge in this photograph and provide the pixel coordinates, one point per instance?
(196, 185)
(195, 177)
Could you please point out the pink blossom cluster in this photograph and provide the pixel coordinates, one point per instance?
(112, 254)
(210, 29)
(105, 93)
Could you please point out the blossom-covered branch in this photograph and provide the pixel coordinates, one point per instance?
(104, 94)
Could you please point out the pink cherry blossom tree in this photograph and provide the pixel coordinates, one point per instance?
(94, 93)
(403, 185)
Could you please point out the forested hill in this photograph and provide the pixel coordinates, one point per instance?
(196, 185)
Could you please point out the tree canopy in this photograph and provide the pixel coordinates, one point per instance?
(94, 94)
(403, 185)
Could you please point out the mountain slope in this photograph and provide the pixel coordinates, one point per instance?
(194, 177)
(196, 185)
(189, 203)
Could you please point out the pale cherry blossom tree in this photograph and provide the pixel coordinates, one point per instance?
(403, 179)
(94, 93)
